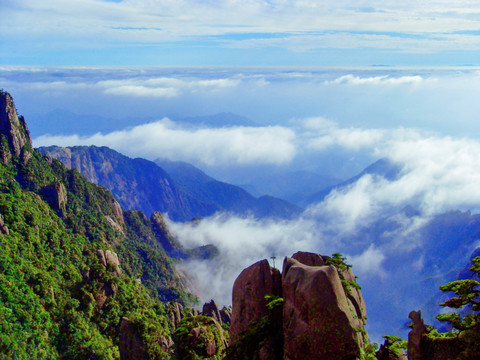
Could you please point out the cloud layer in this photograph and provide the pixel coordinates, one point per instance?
(209, 146)
(138, 29)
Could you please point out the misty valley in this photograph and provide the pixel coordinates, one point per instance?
(142, 217)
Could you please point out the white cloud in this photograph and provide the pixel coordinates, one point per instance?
(242, 242)
(403, 26)
(321, 133)
(368, 263)
(211, 146)
(164, 86)
(379, 80)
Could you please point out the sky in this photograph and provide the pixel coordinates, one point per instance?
(326, 87)
(240, 33)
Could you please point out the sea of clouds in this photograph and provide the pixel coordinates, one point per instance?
(422, 121)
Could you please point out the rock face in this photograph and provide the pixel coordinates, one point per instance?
(13, 126)
(211, 309)
(56, 196)
(249, 291)
(319, 322)
(323, 309)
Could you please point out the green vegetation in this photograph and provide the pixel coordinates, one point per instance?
(58, 300)
(339, 261)
(467, 298)
(200, 337)
(266, 331)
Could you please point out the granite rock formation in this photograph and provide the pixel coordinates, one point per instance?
(323, 312)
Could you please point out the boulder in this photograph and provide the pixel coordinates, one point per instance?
(248, 296)
(318, 321)
(308, 258)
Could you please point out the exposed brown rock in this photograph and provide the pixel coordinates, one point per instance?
(175, 310)
(318, 322)
(415, 336)
(308, 258)
(248, 298)
(200, 337)
(118, 212)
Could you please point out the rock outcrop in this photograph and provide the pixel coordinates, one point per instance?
(109, 258)
(318, 320)
(56, 196)
(249, 291)
(13, 127)
(211, 309)
(423, 347)
(171, 245)
(323, 311)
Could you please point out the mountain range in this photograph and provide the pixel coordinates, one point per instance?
(182, 191)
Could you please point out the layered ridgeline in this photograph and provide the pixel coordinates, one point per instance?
(77, 273)
(183, 191)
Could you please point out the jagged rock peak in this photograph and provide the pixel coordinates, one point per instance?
(13, 126)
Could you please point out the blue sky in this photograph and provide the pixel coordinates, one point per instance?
(230, 32)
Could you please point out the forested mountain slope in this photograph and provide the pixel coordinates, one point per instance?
(73, 264)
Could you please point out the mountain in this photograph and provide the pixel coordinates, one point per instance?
(79, 276)
(229, 197)
(183, 191)
(382, 167)
(293, 186)
(135, 183)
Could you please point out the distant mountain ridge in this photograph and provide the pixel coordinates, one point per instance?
(382, 167)
(137, 184)
(230, 197)
(143, 185)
